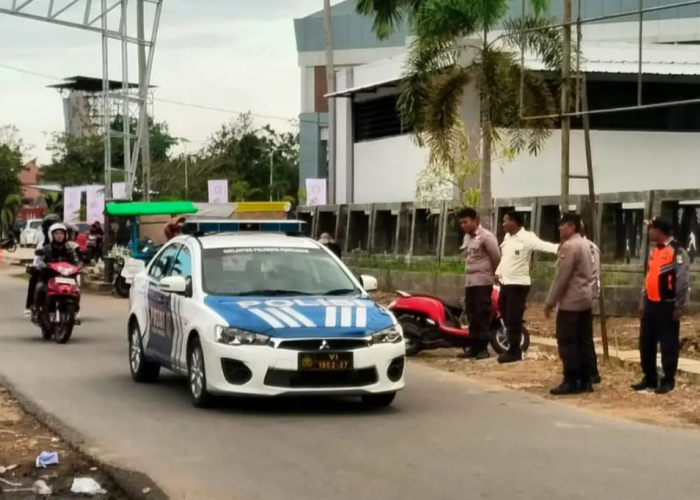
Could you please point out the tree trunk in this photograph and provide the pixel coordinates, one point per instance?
(486, 204)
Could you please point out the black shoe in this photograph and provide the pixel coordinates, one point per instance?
(595, 379)
(483, 355)
(644, 385)
(586, 386)
(510, 357)
(469, 354)
(665, 387)
(566, 388)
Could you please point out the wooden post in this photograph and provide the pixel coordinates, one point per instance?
(566, 108)
(595, 234)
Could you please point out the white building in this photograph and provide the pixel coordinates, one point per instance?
(632, 151)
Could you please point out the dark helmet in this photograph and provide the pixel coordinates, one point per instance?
(49, 221)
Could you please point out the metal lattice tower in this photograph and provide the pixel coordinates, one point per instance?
(113, 20)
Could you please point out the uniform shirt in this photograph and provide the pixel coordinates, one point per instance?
(668, 278)
(571, 288)
(481, 259)
(516, 252)
(595, 262)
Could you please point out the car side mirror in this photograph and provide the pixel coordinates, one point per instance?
(173, 284)
(369, 283)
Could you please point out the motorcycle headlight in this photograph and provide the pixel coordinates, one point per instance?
(392, 335)
(234, 336)
(66, 271)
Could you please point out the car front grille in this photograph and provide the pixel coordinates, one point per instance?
(320, 380)
(330, 344)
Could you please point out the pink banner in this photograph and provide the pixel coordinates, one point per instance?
(95, 204)
(71, 204)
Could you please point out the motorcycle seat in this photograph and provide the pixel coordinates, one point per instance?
(449, 302)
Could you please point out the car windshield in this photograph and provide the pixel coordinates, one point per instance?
(35, 224)
(274, 271)
(82, 228)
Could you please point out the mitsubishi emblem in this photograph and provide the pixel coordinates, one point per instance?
(324, 345)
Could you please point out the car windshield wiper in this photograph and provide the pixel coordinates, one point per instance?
(341, 291)
(271, 293)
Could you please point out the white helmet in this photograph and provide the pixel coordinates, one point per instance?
(57, 227)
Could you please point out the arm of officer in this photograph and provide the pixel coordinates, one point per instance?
(538, 245)
(682, 279)
(565, 268)
(492, 250)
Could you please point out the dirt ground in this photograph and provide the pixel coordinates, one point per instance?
(541, 370)
(22, 439)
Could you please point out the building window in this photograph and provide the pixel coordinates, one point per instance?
(377, 119)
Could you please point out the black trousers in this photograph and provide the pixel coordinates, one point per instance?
(574, 338)
(31, 289)
(511, 303)
(657, 327)
(477, 305)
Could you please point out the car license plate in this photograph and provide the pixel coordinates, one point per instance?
(325, 361)
(65, 281)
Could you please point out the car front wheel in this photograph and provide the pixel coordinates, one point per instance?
(142, 370)
(197, 376)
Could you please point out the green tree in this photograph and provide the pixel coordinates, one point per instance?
(53, 201)
(453, 49)
(11, 164)
(8, 213)
(240, 153)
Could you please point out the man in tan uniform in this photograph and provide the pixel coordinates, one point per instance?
(572, 293)
(482, 257)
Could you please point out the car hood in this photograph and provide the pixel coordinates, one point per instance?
(306, 317)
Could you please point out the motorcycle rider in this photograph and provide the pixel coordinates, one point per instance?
(48, 221)
(58, 250)
(97, 232)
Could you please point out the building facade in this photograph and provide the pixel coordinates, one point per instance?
(376, 161)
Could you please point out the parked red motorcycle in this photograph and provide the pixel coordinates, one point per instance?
(58, 302)
(432, 323)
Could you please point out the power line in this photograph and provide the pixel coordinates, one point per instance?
(177, 103)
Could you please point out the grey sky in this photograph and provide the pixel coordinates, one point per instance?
(233, 54)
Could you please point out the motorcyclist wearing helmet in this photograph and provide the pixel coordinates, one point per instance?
(58, 250)
(44, 240)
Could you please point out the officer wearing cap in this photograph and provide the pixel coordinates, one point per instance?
(664, 299)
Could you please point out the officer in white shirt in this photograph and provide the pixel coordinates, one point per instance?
(513, 274)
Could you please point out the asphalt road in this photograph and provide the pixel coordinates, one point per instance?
(444, 439)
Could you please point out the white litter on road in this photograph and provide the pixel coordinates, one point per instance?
(86, 486)
(7, 468)
(41, 488)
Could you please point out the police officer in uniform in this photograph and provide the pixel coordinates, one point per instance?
(664, 299)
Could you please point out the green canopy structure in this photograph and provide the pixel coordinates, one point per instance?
(150, 208)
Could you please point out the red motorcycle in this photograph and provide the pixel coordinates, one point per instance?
(432, 323)
(58, 302)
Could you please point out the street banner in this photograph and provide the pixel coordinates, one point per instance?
(71, 204)
(218, 191)
(315, 192)
(119, 190)
(95, 204)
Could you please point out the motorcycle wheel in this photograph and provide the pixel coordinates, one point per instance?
(499, 339)
(64, 330)
(11, 246)
(412, 333)
(121, 287)
(46, 327)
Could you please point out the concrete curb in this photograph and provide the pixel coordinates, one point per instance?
(131, 483)
(689, 368)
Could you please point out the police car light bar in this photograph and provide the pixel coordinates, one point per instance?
(203, 227)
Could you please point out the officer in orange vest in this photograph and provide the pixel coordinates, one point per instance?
(664, 299)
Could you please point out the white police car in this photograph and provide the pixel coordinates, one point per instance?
(262, 314)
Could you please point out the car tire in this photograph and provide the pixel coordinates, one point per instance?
(197, 376)
(143, 371)
(412, 332)
(378, 401)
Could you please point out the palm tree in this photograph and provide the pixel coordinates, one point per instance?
(9, 210)
(452, 50)
(54, 202)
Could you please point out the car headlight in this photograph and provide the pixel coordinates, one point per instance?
(234, 336)
(392, 335)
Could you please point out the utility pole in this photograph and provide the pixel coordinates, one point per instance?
(272, 171)
(330, 79)
(566, 108)
(143, 104)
